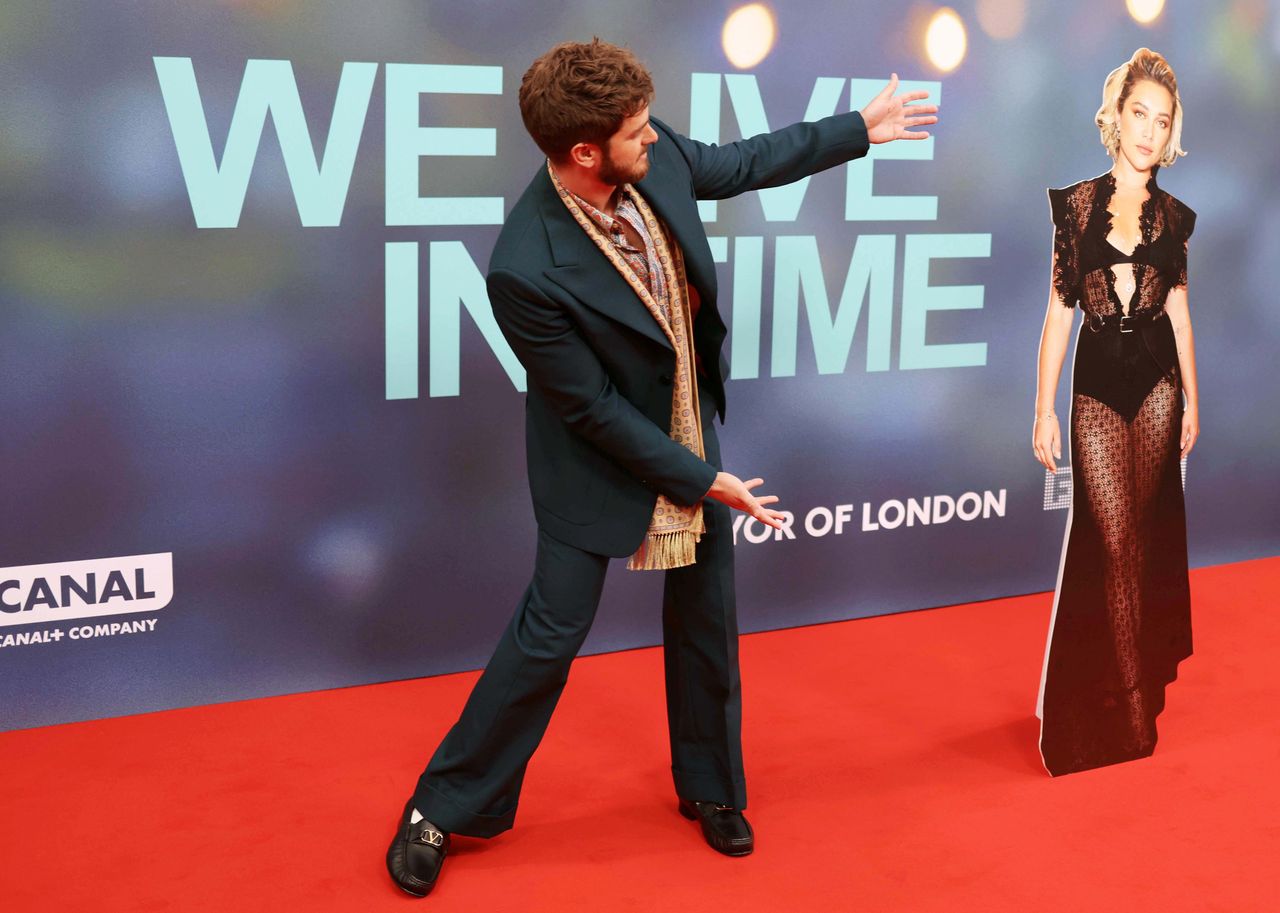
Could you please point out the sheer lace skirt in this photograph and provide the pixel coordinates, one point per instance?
(1121, 613)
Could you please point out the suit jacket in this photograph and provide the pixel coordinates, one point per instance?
(598, 409)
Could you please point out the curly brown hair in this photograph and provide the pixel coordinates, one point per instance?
(581, 93)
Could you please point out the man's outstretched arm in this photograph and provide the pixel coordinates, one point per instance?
(786, 155)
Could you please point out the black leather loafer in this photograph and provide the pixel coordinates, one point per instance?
(724, 828)
(416, 854)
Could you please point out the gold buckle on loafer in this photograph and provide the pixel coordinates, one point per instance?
(431, 837)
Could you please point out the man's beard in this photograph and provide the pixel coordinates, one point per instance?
(612, 173)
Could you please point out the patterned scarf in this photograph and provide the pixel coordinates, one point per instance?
(674, 531)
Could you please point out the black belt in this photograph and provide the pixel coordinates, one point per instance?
(1125, 323)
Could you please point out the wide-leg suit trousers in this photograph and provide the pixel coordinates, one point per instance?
(472, 784)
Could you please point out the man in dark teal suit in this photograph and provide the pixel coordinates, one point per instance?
(602, 281)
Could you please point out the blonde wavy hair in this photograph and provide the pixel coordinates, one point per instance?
(1145, 64)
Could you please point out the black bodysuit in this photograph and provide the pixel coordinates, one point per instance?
(1122, 617)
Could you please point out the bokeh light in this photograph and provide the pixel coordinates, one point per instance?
(1145, 11)
(748, 35)
(1002, 19)
(945, 40)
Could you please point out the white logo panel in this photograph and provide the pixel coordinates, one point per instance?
(37, 593)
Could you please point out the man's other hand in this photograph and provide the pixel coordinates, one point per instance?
(731, 490)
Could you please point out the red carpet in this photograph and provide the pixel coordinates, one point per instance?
(892, 766)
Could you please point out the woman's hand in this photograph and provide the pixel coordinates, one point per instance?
(1046, 440)
(1190, 428)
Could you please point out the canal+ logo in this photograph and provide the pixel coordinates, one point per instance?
(38, 593)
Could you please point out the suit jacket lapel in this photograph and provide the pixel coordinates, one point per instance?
(680, 213)
(586, 273)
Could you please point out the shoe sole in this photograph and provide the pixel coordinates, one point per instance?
(412, 893)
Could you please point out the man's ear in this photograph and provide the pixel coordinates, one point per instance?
(586, 155)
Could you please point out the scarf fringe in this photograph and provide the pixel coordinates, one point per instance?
(665, 550)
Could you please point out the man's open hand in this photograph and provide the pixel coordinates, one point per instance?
(888, 118)
(731, 490)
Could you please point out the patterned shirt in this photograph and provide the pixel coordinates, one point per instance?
(643, 262)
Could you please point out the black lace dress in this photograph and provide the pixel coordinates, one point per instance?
(1122, 613)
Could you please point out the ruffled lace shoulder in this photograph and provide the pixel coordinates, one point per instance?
(1070, 208)
(1180, 221)
(1185, 217)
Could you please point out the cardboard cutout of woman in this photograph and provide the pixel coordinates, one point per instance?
(1122, 612)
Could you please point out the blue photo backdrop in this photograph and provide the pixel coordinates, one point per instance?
(243, 324)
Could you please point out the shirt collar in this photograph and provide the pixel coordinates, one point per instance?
(605, 222)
